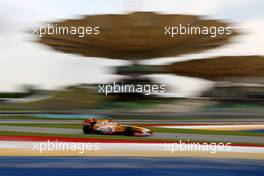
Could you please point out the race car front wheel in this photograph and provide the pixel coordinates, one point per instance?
(87, 129)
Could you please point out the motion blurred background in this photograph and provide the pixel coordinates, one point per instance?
(35, 77)
(214, 86)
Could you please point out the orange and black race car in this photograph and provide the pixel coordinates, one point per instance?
(93, 126)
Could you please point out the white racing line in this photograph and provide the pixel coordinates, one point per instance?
(125, 146)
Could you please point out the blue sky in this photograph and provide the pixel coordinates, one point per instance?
(25, 62)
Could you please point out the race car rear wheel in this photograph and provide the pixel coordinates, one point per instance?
(129, 131)
(87, 129)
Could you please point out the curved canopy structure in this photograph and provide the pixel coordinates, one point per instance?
(135, 36)
(221, 68)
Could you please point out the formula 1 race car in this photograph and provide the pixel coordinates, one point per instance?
(93, 126)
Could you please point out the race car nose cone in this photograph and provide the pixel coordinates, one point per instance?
(149, 133)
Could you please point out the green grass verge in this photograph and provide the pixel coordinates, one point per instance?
(214, 132)
(131, 117)
(35, 118)
(48, 125)
(89, 136)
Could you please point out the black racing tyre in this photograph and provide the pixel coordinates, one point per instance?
(129, 131)
(87, 129)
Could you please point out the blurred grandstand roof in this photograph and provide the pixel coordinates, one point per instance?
(135, 36)
(222, 68)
